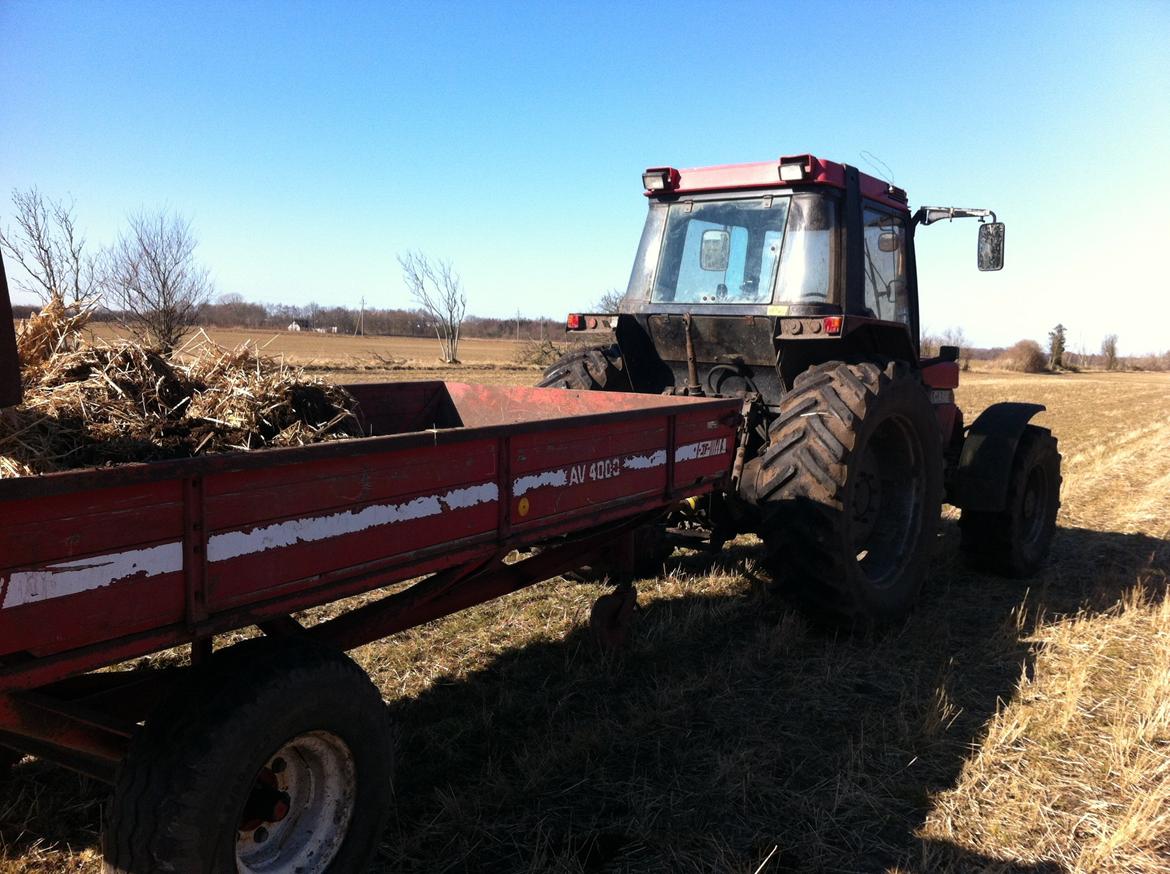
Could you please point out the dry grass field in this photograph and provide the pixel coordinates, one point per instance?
(1005, 727)
(344, 358)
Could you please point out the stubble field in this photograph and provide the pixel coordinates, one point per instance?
(1005, 727)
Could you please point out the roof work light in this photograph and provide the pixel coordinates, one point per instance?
(660, 178)
(795, 168)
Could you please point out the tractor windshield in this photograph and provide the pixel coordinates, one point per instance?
(750, 251)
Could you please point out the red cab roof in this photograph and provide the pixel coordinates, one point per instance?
(766, 174)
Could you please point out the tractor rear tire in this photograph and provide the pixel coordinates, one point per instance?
(598, 368)
(850, 488)
(1015, 542)
(274, 756)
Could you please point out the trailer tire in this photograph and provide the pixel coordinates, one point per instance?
(598, 368)
(275, 756)
(850, 491)
(1016, 541)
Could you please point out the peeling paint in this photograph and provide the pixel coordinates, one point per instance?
(539, 480)
(644, 462)
(96, 572)
(233, 544)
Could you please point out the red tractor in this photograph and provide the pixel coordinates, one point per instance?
(791, 284)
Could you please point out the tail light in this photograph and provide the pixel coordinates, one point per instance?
(574, 322)
(831, 324)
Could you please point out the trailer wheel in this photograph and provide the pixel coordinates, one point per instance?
(274, 758)
(1015, 542)
(850, 489)
(598, 368)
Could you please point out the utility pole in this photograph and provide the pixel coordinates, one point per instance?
(362, 319)
(517, 326)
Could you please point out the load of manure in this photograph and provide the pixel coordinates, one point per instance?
(89, 403)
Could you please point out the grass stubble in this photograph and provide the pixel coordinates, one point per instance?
(1005, 727)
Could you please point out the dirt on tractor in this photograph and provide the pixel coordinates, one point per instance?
(1007, 725)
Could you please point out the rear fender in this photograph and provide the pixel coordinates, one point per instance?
(985, 464)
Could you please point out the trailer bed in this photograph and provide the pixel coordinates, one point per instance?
(98, 566)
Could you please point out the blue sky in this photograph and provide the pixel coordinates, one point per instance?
(311, 142)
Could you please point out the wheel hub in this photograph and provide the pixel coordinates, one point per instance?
(298, 812)
(867, 498)
(267, 803)
(886, 501)
(1032, 509)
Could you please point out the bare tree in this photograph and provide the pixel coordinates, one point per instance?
(954, 337)
(152, 276)
(49, 248)
(1056, 344)
(1109, 351)
(609, 302)
(957, 338)
(929, 344)
(438, 291)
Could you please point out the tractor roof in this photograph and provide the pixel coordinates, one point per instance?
(788, 171)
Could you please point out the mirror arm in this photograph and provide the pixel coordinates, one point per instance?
(928, 215)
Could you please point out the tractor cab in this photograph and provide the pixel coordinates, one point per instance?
(791, 262)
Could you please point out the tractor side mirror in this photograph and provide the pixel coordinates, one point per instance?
(991, 246)
(889, 241)
(715, 250)
(895, 289)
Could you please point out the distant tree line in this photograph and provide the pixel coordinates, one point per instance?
(1030, 357)
(231, 311)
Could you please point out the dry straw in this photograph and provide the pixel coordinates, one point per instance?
(89, 403)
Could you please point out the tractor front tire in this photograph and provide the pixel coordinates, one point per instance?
(597, 368)
(1015, 542)
(272, 757)
(850, 488)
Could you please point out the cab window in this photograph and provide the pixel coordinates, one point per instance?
(886, 294)
(721, 251)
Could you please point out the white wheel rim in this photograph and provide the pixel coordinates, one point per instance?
(300, 808)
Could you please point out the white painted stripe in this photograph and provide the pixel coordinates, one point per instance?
(539, 480)
(644, 462)
(233, 544)
(86, 574)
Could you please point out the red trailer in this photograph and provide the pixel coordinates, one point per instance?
(272, 755)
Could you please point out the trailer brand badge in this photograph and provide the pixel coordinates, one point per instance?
(702, 449)
(610, 468)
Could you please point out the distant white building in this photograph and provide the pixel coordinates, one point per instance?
(294, 326)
